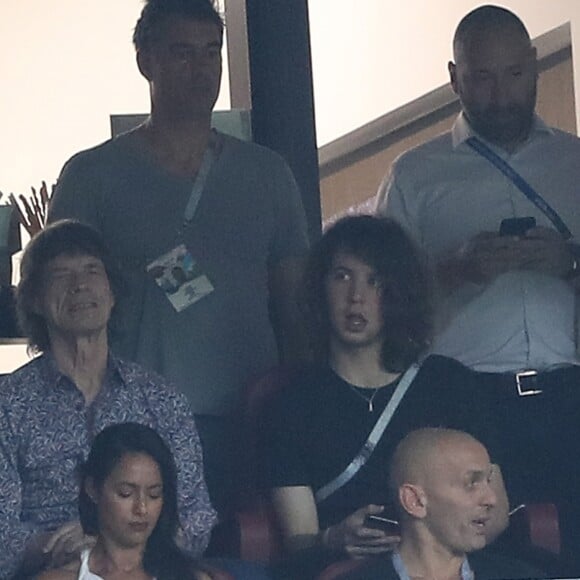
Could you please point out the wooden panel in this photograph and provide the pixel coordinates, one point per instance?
(357, 182)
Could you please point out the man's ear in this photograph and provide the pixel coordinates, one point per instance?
(144, 63)
(413, 500)
(534, 59)
(113, 298)
(452, 68)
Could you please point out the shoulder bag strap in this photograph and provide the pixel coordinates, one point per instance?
(373, 438)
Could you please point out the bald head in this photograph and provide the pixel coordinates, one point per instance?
(495, 75)
(414, 456)
(444, 489)
(484, 23)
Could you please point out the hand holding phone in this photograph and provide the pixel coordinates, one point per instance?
(390, 527)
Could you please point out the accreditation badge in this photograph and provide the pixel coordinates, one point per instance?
(180, 278)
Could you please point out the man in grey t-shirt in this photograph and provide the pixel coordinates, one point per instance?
(173, 196)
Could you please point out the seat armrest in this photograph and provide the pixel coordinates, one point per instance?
(538, 526)
(250, 533)
(260, 537)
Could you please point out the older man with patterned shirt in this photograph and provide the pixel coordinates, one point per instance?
(52, 408)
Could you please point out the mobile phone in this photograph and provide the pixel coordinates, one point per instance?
(516, 226)
(390, 527)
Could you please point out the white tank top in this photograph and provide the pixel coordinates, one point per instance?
(84, 572)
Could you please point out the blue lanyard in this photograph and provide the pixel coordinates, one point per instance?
(199, 184)
(401, 570)
(209, 156)
(521, 184)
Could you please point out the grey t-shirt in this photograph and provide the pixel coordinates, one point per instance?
(250, 217)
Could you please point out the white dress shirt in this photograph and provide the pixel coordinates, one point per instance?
(445, 193)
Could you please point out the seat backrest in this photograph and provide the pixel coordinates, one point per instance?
(533, 536)
(251, 532)
(537, 526)
(260, 391)
(257, 396)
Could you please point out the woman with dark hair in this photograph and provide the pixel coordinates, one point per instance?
(331, 434)
(128, 500)
(400, 274)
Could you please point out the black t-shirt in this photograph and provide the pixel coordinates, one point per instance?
(319, 423)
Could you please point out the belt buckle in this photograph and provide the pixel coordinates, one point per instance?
(522, 391)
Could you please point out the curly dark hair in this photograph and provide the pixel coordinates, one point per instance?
(63, 237)
(155, 13)
(162, 557)
(406, 297)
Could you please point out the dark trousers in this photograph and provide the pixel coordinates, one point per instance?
(535, 438)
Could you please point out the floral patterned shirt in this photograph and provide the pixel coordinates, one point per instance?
(46, 431)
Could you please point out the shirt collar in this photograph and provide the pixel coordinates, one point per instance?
(400, 568)
(462, 130)
(53, 376)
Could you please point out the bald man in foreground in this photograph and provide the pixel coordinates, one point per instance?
(446, 489)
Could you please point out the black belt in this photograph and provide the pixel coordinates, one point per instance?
(530, 383)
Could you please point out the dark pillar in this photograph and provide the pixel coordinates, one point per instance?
(281, 92)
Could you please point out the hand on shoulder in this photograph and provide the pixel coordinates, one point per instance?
(66, 544)
(68, 572)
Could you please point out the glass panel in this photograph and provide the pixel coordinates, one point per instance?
(64, 71)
